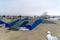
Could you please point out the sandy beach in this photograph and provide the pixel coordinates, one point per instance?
(39, 33)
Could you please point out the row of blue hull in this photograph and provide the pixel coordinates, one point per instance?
(30, 27)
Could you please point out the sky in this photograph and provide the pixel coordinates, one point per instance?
(29, 7)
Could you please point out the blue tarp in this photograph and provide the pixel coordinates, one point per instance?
(23, 24)
(14, 22)
(30, 27)
(1, 22)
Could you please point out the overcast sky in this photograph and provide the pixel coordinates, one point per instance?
(29, 7)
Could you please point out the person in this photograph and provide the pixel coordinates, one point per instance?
(51, 37)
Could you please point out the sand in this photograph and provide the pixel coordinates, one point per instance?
(39, 33)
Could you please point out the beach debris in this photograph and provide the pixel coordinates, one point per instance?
(23, 29)
(50, 36)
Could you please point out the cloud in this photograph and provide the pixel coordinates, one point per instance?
(29, 7)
